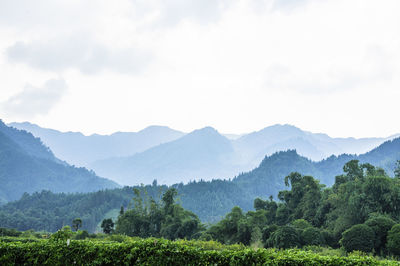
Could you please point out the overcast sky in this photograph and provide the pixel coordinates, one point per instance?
(102, 66)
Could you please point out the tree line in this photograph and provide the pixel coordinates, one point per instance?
(359, 212)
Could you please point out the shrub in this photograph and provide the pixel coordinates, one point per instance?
(62, 235)
(81, 234)
(393, 240)
(358, 237)
(381, 226)
(162, 252)
(284, 237)
(312, 236)
(9, 232)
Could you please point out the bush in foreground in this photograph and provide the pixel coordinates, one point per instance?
(162, 252)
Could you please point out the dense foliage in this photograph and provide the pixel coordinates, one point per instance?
(165, 219)
(161, 252)
(359, 212)
(49, 212)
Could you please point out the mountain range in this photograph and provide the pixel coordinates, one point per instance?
(210, 200)
(26, 165)
(171, 156)
(81, 150)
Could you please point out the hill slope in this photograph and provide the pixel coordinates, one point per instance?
(201, 154)
(206, 154)
(78, 149)
(27, 165)
(315, 146)
(210, 200)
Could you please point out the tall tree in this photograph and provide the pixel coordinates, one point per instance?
(397, 170)
(76, 223)
(107, 225)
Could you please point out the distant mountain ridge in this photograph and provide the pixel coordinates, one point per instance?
(26, 165)
(204, 153)
(81, 150)
(191, 158)
(171, 156)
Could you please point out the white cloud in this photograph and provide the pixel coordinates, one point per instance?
(236, 65)
(33, 101)
(78, 52)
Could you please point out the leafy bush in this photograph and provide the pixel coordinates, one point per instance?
(393, 240)
(163, 252)
(9, 232)
(381, 226)
(285, 237)
(82, 235)
(62, 235)
(312, 236)
(358, 237)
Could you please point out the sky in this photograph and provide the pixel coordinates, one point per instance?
(99, 66)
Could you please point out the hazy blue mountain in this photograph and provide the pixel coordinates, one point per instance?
(81, 150)
(191, 158)
(26, 165)
(315, 146)
(170, 156)
(201, 154)
(26, 142)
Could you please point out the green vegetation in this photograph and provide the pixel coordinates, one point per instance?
(47, 211)
(108, 226)
(166, 219)
(209, 200)
(359, 212)
(152, 251)
(310, 224)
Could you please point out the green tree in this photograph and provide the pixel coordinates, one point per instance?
(149, 218)
(107, 225)
(284, 237)
(168, 199)
(266, 234)
(393, 240)
(62, 235)
(301, 224)
(353, 170)
(76, 223)
(358, 237)
(312, 236)
(304, 197)
(82, 235)
(381, 226)
(227, 230)
(397, 169)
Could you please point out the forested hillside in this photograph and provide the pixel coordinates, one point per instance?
(267, 179)
(28, 166)
(210, 200)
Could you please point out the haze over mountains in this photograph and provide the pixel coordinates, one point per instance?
(172, 156)
(26, 165)
(81, 150)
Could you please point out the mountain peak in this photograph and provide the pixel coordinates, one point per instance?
(205, 132)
